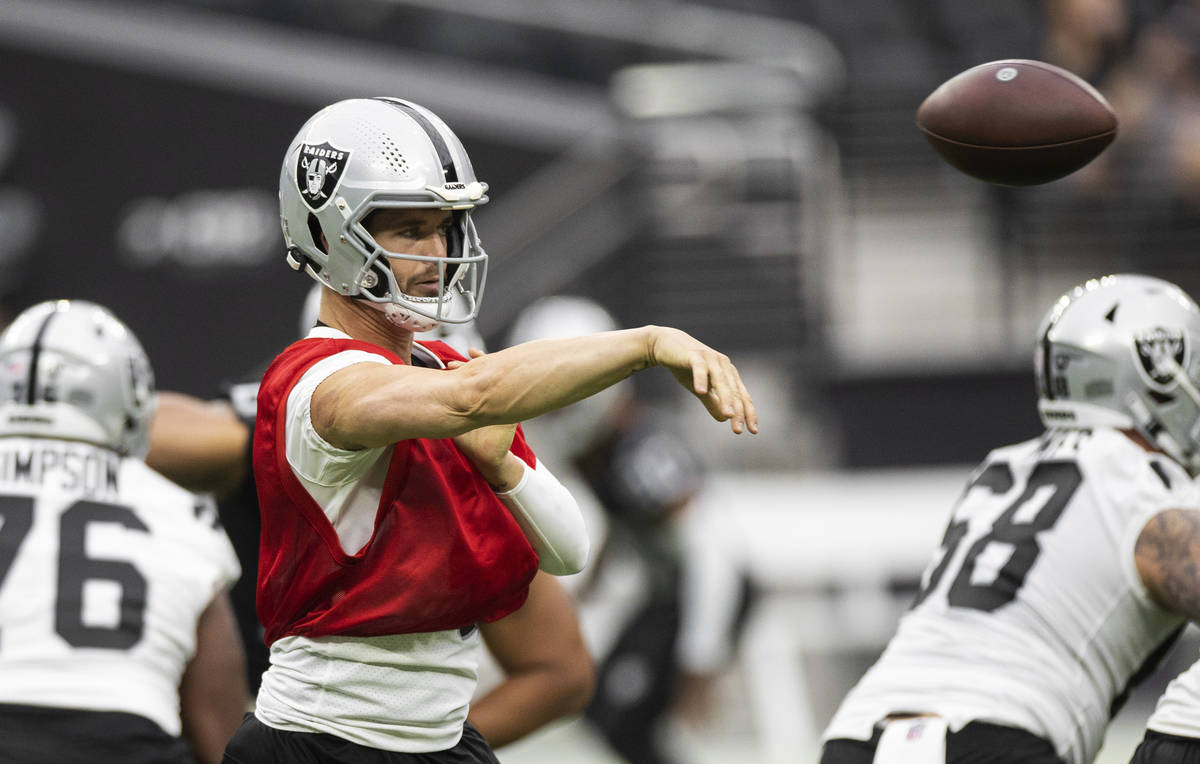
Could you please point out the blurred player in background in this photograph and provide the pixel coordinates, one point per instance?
(116, 630)
(1069, 563)
(379, 459)
(546, 671)
(658, 648)
(205, 447)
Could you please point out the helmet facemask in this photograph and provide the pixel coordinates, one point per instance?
(1172, 419)
(462, 272)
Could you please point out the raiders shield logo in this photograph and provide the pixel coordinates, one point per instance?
(1156, 346)
(318, 171)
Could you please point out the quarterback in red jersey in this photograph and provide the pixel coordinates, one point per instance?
(400, 504)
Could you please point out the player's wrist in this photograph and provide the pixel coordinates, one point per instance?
(650, 336)
(506, 475)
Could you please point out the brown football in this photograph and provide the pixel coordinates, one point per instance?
(1017, 122)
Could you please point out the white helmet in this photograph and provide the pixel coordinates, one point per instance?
(1124, 351)
(70, 369)
(366, 154)
(571, 430)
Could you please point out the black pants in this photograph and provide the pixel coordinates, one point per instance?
(976, 743)
(1160, 748)
(41, 735)
(256, 743)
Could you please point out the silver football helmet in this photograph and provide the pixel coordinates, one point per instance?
(366, 154)
(70, 369)
(1124, 351)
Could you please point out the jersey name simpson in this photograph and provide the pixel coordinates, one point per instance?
(105, 568)
(89, 470)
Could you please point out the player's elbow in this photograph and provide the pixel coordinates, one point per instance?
(564, 557)
(550, 518)
(577, 683)
(473, 397)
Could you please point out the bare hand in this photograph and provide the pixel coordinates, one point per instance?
(471, 353)
(708, 374)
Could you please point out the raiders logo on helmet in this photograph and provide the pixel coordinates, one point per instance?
(1155, 346)
(317, 172)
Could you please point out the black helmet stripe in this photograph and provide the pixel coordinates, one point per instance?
(449, 168)
(34, 356)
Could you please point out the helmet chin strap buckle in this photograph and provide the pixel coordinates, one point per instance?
(296, 259)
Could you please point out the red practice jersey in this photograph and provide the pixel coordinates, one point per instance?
(445, 552)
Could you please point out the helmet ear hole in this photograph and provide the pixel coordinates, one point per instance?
(380, 287)
(318, 236)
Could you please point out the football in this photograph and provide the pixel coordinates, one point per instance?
(1017, 122)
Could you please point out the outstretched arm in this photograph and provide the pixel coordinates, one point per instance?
(1167, 555)
(548, 671)
(370, 405)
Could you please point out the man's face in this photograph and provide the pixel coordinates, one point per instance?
(413, 232)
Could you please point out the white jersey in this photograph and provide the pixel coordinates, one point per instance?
(1178, 709)
(1032, 614)
(105, 568)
